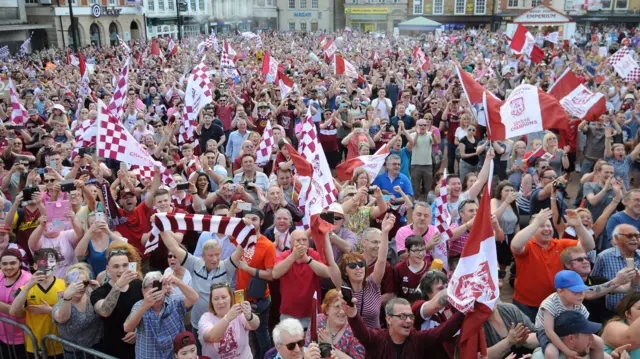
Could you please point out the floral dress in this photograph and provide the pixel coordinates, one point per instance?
(358, 222)
(347, 344)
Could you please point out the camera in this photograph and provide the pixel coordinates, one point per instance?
(325, 350)
(371, 190)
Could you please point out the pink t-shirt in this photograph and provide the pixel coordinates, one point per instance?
(406, 231)
(65, 244)
(7, 295)
(233, 344)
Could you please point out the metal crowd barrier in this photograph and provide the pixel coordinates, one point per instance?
(13, 348)
(70, 349)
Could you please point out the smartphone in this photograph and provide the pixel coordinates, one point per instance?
(347, 295)
(244, 206)
(133, 266)
(238, 296)
(10, 127)
(157, 284)
(28, 192)
(371, 190)
(182, 187)
(41, 171)
(631, 264)
(73, 276)
(67, 186)
(99, 217)
(52, 164)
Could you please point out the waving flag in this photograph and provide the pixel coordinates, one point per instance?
(526, 110)
(24, 48)
(312, 198)
(576, 98)
(524, 43)
(371, 163)
(19, 114)
(172, 49)
(124, 46)
(473, 288)
(116, 106)
(552, 37)
(199, 94)
(624, 64)
(342, 66)
(285, 84)
(442, 222)
(4, 52)
(270, 66)
(263, 153)
(155, 49)
(421, 60)
(329, 49)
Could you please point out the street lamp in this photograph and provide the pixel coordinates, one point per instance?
(181, 5)
(73, 28)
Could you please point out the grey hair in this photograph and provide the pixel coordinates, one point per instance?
(210, 244)
(421, 204)
(291, 326)
(392, 157)
(150, 277)
(617, 231)
(388, 308)
(345, 191)
(369, 231)
(284, 210)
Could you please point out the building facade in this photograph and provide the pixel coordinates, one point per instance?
(455, 13)
(98, 22)
(381, 16)
(14, 28)
(306, 15)
(162, 17)
(243, 15)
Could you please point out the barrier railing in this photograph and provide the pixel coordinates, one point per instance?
(12, 340)
(70, 350)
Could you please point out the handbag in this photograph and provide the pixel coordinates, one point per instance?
(436, 157)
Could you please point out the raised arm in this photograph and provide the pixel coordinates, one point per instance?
(381, 263)
(521, 238)
(483, 176)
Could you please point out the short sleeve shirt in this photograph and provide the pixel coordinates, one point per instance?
(554, 306)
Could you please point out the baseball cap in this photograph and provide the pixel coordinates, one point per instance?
(125, 192)
(226, 180)
(4, 228)
(254, 210)
(572, 322)
(336, 208)
(59, 107)
(33, 111)
(570, 280)
(14, 252)
(183, 339)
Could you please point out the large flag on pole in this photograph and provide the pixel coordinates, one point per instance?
(116, 106)
(199, 94)
(578, 100)
(523, 42)
(624, 64)
(342, 66)
(371, 163)
(526, 110)
(270, 66)
(19, 114)
(421, 60)
(442, 222)
(473, 288)
(263, 153)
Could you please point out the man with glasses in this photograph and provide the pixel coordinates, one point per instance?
(575, 259)
(421, 146)
(407, 274)
(392, 178)
(288, 337)
(630, 215)
(401, 340)
(600, 193)
(625, 253)
(541, 195)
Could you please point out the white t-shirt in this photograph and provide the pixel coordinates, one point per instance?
(233, 344)
(65, 244)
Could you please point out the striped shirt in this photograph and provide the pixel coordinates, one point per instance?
(202, 280)
(554, 306)
(369, 302)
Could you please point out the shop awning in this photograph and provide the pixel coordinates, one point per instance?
(362, 17)
(419, 22)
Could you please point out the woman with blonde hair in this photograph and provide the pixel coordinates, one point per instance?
(360, 178)
(226, 320)
(333, 328)
(74, 315)
(560, 158)
(516, 165)
(465, 125)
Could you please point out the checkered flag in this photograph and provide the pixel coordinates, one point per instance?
(4, 52)
(613, 59)
(116, 106)
(147, 172)
(19, 114)
(24, 48)
(263, 153)
(625, 65)
(199, 93)
(124, 46)
(227, 65)
(442, 221)
(442, 42)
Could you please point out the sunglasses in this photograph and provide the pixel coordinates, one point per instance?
(580, 259)
(338, 218)
(171, 166)
(354, 265)
(630, 235)
(472, 130)
(171, 256)
(292, 346)
(422, 125)
(51, 180)
(119, 252)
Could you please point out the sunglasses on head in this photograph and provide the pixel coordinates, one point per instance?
(292, 346)
(354, 265)
(219, 285)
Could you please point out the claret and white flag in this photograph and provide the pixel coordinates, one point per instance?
(473, 288)
(286, 85)
(199, 94)
(270, 66)
(578, 100)
(625, 65)
(371, 163)
(263, 153)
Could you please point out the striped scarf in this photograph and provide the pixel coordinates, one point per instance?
(244, 234)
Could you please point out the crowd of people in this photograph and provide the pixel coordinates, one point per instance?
(71, 271)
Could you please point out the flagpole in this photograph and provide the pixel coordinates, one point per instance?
(73, 28)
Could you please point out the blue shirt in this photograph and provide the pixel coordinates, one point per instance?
(620, 218)
(405, 160)
(385, 183)
(155, 332)
(608, 264)
(234, 144)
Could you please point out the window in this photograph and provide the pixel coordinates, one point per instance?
(606, 4)
(292, 5)
(438, 7)
(31, 2)
(192, 5)
(170, 5)
(200, 5)
(303, 4)
(535, 3)
(303, 26)
(480, 7)
(314, 26)
(513, 3)
(292, 25)
(459, 7)
(314, 4)
(150, 5)
(161, 5)
(622, 4)
(112, 2)
(417, 7)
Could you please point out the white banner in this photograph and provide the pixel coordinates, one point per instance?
(580, 101)
(521, 112)
(625, 65)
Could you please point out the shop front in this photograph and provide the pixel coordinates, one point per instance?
(224, 27)
(368, 19)
(546, 20)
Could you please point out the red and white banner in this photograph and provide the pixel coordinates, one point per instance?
(285, 84)
(523, 42)
(442, 222)
(199, 94)
(371, 163)
(313, 196)
(578, 100)
(522, 113)
(473, 288)
(155, 49)
(329, 49)
(552, 37)
(342, 66)
(421, 60)
(116, 106)
(270, 66)
(172, 49)
(227, 61)
(19, 114)
(263, 153)
(624, 64)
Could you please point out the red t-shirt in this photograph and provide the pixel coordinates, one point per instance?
(225, 114)
(406, 281)
(262, 256)
(454, 122)
(261, 123)
(354, 142)
(138, 223)
(297, 286)
(386, 286)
